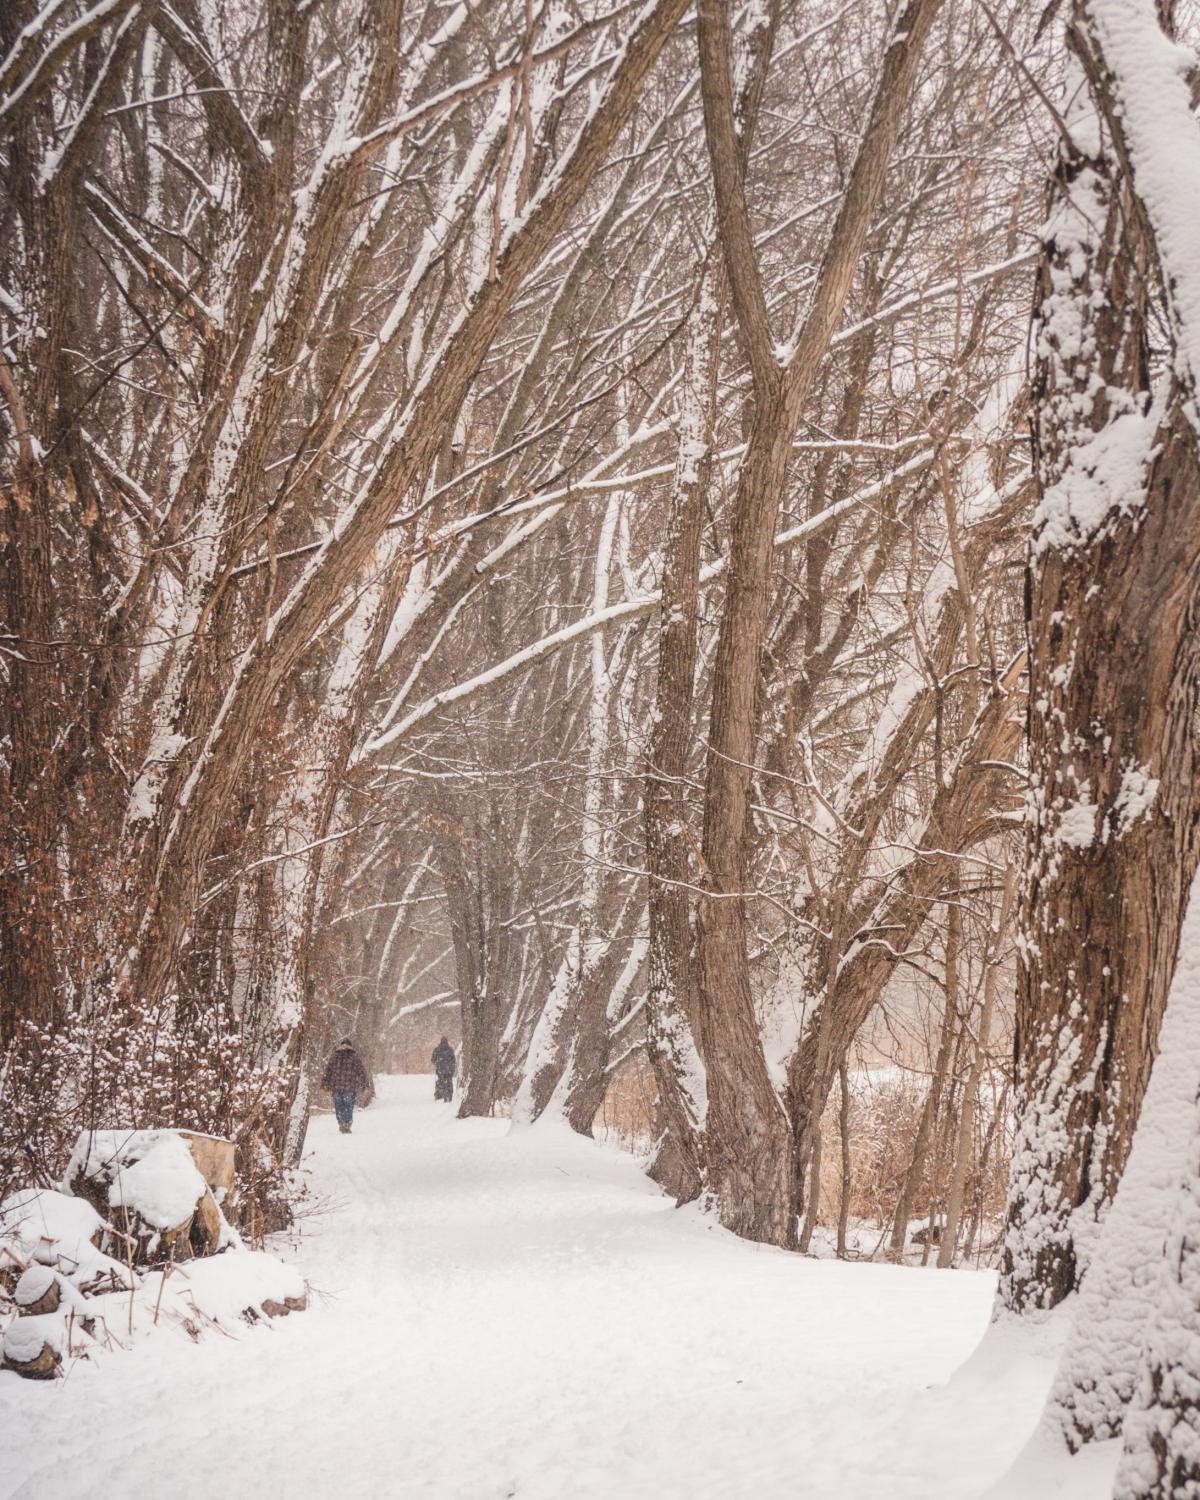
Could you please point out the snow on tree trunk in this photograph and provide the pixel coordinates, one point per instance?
(1117, 1302)
(1161, 1458)
(542, 1049)
(1111, 832)
(672, 1048)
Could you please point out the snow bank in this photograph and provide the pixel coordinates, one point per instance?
(227, 1287)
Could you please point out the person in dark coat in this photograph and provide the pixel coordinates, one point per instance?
(443, 1066)
(344, 1076)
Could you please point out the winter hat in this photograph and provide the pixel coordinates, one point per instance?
(346, 1041)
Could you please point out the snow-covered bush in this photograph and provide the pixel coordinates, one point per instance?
(125, 1068)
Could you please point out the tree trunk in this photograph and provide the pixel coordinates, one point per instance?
(970, 1102)
(813, 1207)
(929, 1111)
(671, 1044)
(673, 980)
(844, 1133)
(963, 812)
(748, 1141)
(1112, 835)
(587, 1077)
(1097, 1376)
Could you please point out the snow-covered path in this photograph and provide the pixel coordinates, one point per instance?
(525, 1315)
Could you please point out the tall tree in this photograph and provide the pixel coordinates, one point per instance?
(1113, 830)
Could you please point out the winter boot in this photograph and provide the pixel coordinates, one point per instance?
(343, 1127)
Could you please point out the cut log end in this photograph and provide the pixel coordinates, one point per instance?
(45, 1365)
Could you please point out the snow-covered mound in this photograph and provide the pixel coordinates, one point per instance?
(147, 1248)
(149, 1172)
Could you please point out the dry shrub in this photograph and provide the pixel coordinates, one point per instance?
(885, 1112)
(626, 1114)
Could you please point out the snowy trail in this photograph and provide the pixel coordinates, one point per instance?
(525, 1315)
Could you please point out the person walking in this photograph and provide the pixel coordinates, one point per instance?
(344, 1076)
(443, 1065)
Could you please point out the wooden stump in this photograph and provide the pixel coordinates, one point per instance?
(38, 1291)
(215, 1159)
(144, 1245)
(33, 1346)
(204, 1237)
(43, 1366)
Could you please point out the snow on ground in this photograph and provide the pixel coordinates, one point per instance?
(523, 1314)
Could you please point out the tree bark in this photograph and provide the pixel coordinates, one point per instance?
(1113, 833)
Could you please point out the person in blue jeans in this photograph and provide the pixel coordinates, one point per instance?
(344, 1076)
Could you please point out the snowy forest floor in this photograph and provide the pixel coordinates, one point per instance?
(524, 1314)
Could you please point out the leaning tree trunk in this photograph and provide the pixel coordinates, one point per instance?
(585, 1083)
(200, 775)
(1112, 834)
(52, 704)
(574, 1042)
(748, 1139)
(670, 982)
